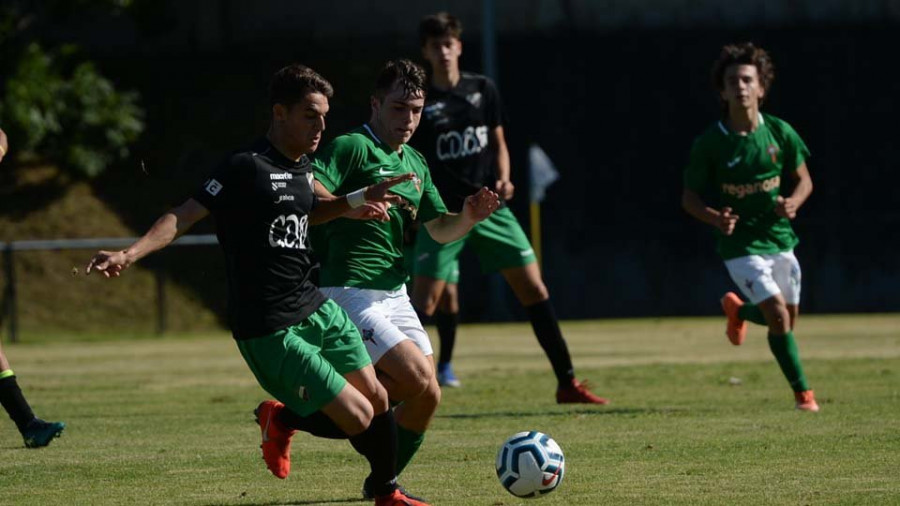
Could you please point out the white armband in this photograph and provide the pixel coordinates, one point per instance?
(357, 198)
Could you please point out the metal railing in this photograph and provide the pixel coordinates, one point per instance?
(9, 301)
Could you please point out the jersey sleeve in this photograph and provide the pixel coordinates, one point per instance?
(697, 173)
(334, 163)
(493, 106)
(431, 206)
(222, 189)
(795, 150)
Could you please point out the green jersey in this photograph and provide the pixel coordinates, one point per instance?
(745, 171)
(369, 253)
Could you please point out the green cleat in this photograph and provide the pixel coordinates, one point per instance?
(39, 433)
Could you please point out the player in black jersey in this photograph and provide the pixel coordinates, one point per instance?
(461, 135)
(302, 347)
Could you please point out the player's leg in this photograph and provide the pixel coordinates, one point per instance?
(401, 351)
(501, 245)
(35, 432)
(435, 295)
(787, 274)
(446, 319)
(756, 277)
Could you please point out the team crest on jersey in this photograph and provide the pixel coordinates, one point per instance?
(474, 98)
(773, 152)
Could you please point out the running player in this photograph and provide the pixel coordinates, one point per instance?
(462, 138)
(35, 431)
(362, 261)
(301, 347)
(741, 160)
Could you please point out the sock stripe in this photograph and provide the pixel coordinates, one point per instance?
(7, 374)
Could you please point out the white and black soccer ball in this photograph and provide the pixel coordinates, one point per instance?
(530, 464)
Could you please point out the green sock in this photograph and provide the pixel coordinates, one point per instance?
(751, 313)
(785, 350)
(408, 443)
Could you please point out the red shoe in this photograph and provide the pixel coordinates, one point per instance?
(578, 393)
(276, 438)
(398, 498)
(806, 401)
(736, 330)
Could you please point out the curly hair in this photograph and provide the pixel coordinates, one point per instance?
(743, 54)
(410, 76)
(293, 82)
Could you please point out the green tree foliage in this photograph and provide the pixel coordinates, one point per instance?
(62, 110)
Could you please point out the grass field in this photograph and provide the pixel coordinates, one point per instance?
(168, 421)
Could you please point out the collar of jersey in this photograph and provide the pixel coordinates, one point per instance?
(381, 142)
(282, 161)
(726, 131)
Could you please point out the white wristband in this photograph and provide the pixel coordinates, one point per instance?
(357, 198)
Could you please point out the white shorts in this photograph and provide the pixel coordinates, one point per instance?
(763, 276)
(384, 318)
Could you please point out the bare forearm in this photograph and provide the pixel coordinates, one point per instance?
(449, 227)
(160, 235)
(802, 191)
(503, 166)
(694, 205)
(329, 208)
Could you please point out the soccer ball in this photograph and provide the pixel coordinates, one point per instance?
(530, 464)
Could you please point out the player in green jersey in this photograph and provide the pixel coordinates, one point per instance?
(301, 347)
(35, 432)
(362, 260)
(740, 160)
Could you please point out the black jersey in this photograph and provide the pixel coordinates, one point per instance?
(261, 201)
(454, 137)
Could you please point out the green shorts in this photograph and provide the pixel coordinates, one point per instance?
(499, 242)
(304, 365)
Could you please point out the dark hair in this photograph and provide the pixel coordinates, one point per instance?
(403, 72)
(290, 84)
(743, 54)
(439, 25)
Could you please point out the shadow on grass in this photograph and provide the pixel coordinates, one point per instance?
(583, 411)
(279, 503)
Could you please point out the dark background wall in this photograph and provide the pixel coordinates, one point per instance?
(615, 106)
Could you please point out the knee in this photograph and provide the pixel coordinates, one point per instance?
(359, 420)
(416, 379)
(778, 317)
(534, 292)
(425, 302)
(379, 399)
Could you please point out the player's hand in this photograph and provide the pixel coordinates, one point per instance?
(505, 189)
(727, 221)
(110, 263)
(786, 207)
(480, 205)
(370, 211)
(379, 192)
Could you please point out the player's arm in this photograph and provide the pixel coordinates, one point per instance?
(449, 227)
(788, 206)
(722, 219)
(504, 186)
(4, 145)
(166, 229)
(366, 203)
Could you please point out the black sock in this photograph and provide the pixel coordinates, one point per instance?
(378, 444)
(14, 402)
(318, 424)
(546, 328)
(446, 326)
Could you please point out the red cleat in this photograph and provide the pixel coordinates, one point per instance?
(578, 393)
(398, 498)
(806, 401)
(276, 438)
(736, 330)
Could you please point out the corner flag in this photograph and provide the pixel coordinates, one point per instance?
(542, 174)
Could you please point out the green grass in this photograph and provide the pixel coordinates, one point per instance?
(168, 421)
